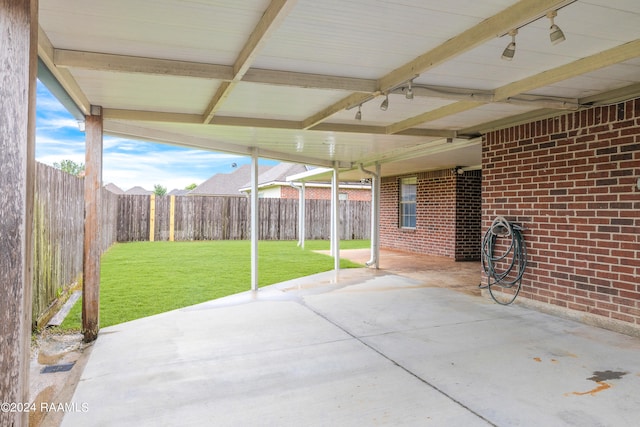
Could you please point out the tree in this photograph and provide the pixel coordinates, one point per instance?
(159, 190)
(191, 186)
(71, 167)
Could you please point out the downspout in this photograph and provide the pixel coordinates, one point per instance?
(375, 216)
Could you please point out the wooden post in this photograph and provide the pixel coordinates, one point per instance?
(18, 62)
(92, 207)
(152, 217)
(172, 216)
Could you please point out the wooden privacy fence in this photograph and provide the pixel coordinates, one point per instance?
(142, 218)
(58, 227)
(58, 230)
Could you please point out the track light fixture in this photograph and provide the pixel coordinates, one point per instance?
(385, 104)
(359, 113)
(409, 94)
(555, 33)
(510, 50)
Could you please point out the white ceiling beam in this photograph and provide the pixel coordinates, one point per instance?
(167, 117)
(126, 130)
(432, 115)
(585, 65)
(426, 149)
(150, 116)
(136, 64)
(222, 93)
(518, 119)
(46, 52)
(165, 67)
(381, 130)
(612, 96)
(349, 101)
(492, 27)
(516, 89)
(131, 64)
(307, 80)
(270, 21)
(604, 98)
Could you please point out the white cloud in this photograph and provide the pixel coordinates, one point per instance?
(56, 124)
(126, 163)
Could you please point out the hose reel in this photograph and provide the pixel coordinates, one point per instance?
(506, 268)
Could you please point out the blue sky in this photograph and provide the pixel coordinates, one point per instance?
(126, 163)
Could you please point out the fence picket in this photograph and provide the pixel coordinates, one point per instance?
(59, 219)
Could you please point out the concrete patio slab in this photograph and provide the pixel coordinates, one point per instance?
(365, 348)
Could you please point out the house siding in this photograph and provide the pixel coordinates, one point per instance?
(448, 215)
(572, 182)
(324, 193)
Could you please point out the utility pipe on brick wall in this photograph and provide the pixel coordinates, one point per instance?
(375, 216)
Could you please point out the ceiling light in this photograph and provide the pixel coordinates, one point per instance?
(359, 113)
(385, 103)
(409, 94)
(510, 50)
(555, 33)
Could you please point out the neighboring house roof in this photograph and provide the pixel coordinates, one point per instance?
(225, 184)
(277, 175)
(176, 192)
(137, 190)
(114, 188)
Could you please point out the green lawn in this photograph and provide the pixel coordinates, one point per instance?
(144, 278)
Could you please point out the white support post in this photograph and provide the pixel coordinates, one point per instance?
(375, 217)
(302, 231)
(254, 221)
(335, 220)
(332, 224)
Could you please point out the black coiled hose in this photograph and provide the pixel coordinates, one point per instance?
(504, 270)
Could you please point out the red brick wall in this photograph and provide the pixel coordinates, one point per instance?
(324, 193)
(469, 216)
(447, 215)
(571, 181)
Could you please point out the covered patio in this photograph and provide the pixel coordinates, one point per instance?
(389, 87)
(369, 347)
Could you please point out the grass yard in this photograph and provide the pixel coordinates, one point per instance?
(140, 279)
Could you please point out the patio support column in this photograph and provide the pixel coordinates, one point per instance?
(92, 241)
(335, 219)
(254, 221)
(18, 62)
(375, 217)
(302, 213)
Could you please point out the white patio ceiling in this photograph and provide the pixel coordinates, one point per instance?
(285, 78)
